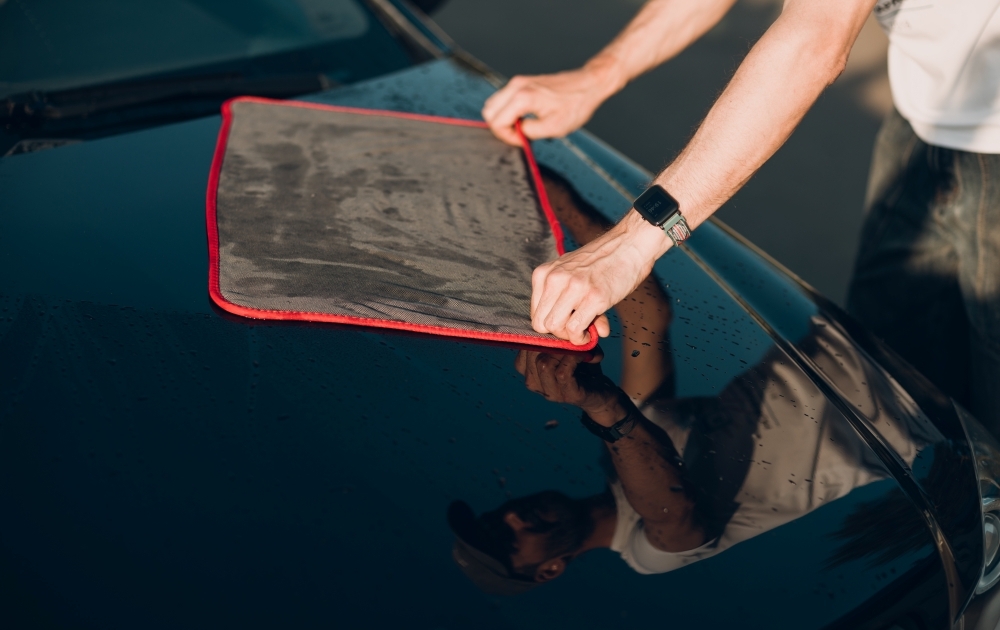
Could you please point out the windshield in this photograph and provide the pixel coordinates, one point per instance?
(49, 45)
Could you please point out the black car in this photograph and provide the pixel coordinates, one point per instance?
(166, 464)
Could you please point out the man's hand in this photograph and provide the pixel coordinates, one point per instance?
(569, 293)
(564, 102)
(575, 379)
(644, 460)
(561, 103)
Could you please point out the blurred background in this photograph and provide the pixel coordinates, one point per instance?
(804, 207)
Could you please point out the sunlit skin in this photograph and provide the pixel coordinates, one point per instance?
(784, 73)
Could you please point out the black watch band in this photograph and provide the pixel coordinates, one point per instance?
(616, 431)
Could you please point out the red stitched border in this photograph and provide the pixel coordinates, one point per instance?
(543, 197)
(213, 236)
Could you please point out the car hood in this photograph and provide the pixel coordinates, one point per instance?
(160, 455)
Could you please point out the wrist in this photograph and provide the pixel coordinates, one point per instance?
(606, 416)
(694, 204)
(649, 241)
(621, 426)
(607, 75)
(611, 411)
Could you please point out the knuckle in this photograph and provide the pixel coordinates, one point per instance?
(579, 284)
(561, 276)
(521, 101)
(552, 324)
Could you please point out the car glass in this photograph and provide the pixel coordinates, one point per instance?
(51, 45)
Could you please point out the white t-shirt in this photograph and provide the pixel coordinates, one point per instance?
(944, 69)
(805, 453)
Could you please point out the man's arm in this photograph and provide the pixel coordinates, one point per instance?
(563, 102)
(797, 58)
(645, 315)
(654, 487)
(644, 459)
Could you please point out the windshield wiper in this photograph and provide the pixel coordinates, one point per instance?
(39, 107)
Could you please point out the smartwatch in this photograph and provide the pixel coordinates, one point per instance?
(616, 431)
(658, 207)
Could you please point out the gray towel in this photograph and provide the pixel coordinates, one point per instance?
(327, 214)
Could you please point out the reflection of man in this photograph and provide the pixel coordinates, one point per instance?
(931, 246)
(647, 514)
(530, 540)
(691, 477)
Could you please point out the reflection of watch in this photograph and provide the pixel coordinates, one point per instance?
(658, 207)
(616, 431)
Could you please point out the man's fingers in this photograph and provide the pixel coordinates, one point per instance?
(530, 127)
(495, 103)
(517, 107)
(578, 337)
(557, 291)
(547, 365)
(572, 313)
(538, 286)
(550, 294)
(531, 373)
(602, 325)
(561, 307)
(499, 99)
(595, 356)
(588, 311)
(506, 134)
(559, 314)
(564, 371)
(521, 362)
(543, 127)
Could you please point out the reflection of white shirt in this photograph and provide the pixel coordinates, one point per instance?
(944, 69)
(805, 454)
(631, 542)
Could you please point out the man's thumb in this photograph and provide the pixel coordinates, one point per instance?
(535, 129)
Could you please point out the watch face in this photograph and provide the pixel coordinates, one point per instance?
(656, 205)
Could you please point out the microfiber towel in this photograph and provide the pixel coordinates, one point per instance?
(376, 218)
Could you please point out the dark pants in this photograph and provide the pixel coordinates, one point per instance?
(927, 275)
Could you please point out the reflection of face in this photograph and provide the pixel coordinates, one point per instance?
(539, 527)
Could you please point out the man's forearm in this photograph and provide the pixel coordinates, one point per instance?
(797, 58)
(660, 31)
(802, 53)
(653, 485)
(563, 102)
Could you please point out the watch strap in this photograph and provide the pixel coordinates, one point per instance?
(659, 208)
(616, 431)
(677, 228)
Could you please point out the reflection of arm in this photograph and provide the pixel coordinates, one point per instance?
(644, 459)
(652, 483)
(645, 314)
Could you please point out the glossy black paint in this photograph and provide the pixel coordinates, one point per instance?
(167, 466)
(62, 116)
